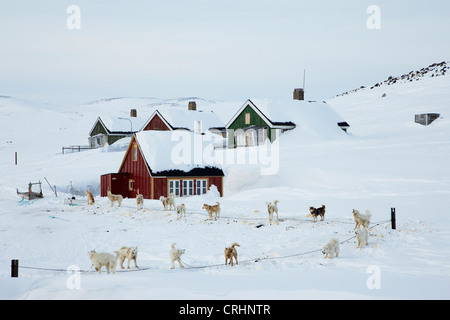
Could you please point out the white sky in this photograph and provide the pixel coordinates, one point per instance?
(224, 50)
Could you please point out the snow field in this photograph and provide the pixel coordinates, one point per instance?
(385, 161)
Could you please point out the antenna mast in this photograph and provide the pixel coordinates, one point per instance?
(304, 76)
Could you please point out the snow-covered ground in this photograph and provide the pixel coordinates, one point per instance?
(385, 161)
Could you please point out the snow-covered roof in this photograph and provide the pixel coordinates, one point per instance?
(176, 150)
(123, 124)
(120, 124)
(186, 119)
(283, 112)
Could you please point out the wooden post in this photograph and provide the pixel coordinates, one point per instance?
(14, 268)
(15, 158)
(393, 219)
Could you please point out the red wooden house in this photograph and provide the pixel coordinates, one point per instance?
(151, 166)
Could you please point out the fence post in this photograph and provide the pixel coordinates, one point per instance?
(14, 268)
(393, 219)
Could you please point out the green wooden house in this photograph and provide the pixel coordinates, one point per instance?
(108, 129)
(262, 120)
(252, 125)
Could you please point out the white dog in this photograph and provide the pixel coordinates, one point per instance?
(331, 248)
(168, 202)
(114, 197)
(104, 259)
(181, 210)
(171, 201)
(139, 200)
(129, 253)
(362, 235)
(271, 208)
(175, 255)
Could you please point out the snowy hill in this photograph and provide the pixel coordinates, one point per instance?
(385, 161)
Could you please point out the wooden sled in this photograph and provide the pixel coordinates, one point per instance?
(30, 195)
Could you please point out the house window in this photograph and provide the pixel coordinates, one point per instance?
(188, 187)
(247, 118)
(135, 152)
(130, 184)
(262, 136)
(174, 187)
(240, 137)
(201, 186)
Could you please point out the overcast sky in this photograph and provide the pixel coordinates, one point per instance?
(221, 50)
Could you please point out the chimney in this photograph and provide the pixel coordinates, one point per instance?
(133, 113)
(299, 94)
(192, 106)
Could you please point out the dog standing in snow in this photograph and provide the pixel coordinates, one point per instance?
(168, 202)
(361, 219)
(271, 208)
(104, 259)
(231, 253)
(129, 253)
(316, 212)
(181, 210)
(90, 197)
(212, 209)
(139, 200)
(175, 255)
(331, 249)
(362, 235)
(114, 197)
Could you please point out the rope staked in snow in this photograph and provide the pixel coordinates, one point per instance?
(190, 267)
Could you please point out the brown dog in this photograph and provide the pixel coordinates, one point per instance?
(231, 253)
(90, 197)
(212, 209)
(361, 219)
(315, 212)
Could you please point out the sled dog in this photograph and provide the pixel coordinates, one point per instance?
(331, 249)
(212, 209)
(175, 255)
(90, 197)
(115, 197)
(361, 219)
(271, 208)
(104, 259)
(181, 210)
(362, 235)
(230, 253)
(129, 253)
(316, 212)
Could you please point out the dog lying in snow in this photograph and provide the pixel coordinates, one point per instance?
(271, 208)
(361, 219)
(181, 210)
(114, 197)
(212, 209)
(129, 253)
(139, 200)
(316, 212)
(331, 249)
(104, 259)
(231, 253)
(90, 197)
(175, 255)
(362, 235)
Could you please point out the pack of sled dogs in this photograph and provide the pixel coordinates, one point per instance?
(109, 261)
(330, 250)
